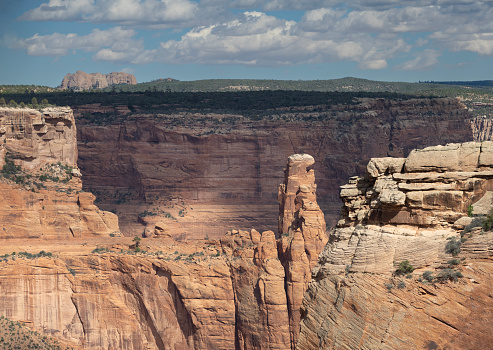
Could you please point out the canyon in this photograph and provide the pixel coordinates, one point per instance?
(100, 290)
(285, 284)
(204, 173)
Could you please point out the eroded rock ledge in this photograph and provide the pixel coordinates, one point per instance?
(243, 291)
(406, 209)
(40, 187)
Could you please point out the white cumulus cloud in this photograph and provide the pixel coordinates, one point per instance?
(423, 61)
(57, 44)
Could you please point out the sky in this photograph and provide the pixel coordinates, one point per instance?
(388, 40)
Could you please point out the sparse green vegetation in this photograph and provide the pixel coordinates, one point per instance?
(405, 267)
(488, 222)
(448, 275)
(15, 335)
(453, 246)
(470, 210)
(401, 285)
(453, 262)
(428, 276)
(100, 250)
(26, 255)
(476, 222)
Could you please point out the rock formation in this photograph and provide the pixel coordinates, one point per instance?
(40, 187)
(226, 167)
(241, 292)
(407, 209)
(482, 128)
(302, 229)
(82, 81)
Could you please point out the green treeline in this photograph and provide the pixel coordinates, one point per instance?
(229, 101)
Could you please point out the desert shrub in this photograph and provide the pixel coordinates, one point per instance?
(401, 285)
(470, 210)
(453, 246)
(488, 222)
(449, 275)
(405, 267)
(428, 276)
(453, 262)
(476, 222)
(100, 250)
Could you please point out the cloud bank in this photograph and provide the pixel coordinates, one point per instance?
(369, 33)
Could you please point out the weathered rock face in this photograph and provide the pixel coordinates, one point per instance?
(33, 138)
(82, 81)
(302, 229)
(410, 209)
(40, 188)
(431, 188)
(242, 292)
(482, 128)
(226, 167)
(227, 295)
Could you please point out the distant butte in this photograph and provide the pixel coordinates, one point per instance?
(82, 81)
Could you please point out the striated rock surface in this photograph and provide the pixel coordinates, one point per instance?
(241, 292)
(40, 188)
(302, 229)
(407, 209)
(226, 167)
(82, 81)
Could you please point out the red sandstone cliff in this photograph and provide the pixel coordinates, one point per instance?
(242, 292)
(40, 187)
(204, 174)
(410, 209)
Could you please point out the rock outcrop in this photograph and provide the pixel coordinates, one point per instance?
(82, 81)
(407, 211)
(241, 292)
(226, 167)
(40, 187)
(302, 229)
(482, 128)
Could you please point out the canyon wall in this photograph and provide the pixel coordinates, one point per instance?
(40, 187)
(408, 212)
(482, 128)
(203, 174)
(241, 292)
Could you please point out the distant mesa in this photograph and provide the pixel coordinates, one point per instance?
(82, 81)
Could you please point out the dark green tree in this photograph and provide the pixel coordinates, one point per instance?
(2, 101)
(12, 103)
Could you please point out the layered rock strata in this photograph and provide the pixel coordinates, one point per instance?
(40, 188)
(227, 166)
(302, 229)
(406, 209)
(82, 81)
(241, 292)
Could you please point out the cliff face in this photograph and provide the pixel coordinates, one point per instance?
(407, 209)
(221, 170)
(40, 187)
(242, 292)
(482, 129)
(82, 81)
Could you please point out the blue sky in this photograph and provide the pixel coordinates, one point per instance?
(41, 41)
